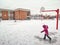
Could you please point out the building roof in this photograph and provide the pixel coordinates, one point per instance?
(1, 9)
(22, 9)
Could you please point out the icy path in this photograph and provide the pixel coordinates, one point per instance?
(27, 32)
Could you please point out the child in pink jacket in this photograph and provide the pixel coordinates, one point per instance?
(46, 32)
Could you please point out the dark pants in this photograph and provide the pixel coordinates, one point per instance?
(47, 36)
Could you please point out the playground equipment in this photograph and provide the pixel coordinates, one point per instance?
(57, 11)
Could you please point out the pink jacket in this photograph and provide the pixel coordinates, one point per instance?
(45, 29)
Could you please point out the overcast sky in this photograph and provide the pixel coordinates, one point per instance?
(33, 5)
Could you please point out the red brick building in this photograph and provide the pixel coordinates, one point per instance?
(18, 14)
(21, 14)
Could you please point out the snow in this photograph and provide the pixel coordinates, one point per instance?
(24, 32)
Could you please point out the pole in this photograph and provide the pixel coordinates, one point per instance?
(57, 18)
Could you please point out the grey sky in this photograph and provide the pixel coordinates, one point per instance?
(33, 5)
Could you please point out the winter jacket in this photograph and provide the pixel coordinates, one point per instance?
(45, 29)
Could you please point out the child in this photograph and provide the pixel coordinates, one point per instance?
(46, 32)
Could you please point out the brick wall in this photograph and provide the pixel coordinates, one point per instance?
(5, 15)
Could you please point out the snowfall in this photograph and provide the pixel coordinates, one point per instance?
(28, 32)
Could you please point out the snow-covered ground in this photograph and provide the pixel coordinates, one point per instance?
(27, 32)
